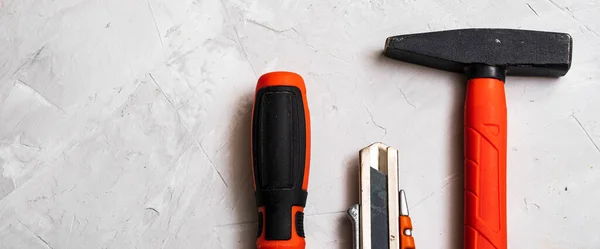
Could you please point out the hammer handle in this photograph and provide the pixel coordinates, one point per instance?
(485, 164)
(280, 159)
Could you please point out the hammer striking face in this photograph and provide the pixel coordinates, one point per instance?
(486, 56)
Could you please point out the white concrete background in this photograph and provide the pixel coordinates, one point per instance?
(125, 123)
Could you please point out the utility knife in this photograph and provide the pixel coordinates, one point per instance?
(381, 219)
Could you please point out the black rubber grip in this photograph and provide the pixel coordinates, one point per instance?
(260, 224)
(279, 155)
(300, 224)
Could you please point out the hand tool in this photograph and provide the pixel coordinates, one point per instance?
(380, 220)
(280, 159)
(485, 56)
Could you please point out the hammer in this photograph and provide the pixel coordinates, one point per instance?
(486, 57)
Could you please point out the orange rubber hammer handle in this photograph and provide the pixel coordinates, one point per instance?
(280, 159)
(485, 164)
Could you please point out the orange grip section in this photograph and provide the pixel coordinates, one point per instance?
(406, 241)
(485, 165)
(296, 242)
(281, 79)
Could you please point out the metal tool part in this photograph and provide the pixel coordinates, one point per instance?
(403, 204)
(353, 213)
(377, 225)
(513, 52)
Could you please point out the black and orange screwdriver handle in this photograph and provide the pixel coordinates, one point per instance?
(280, 159)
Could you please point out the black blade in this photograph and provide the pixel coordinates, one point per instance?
(379, 211)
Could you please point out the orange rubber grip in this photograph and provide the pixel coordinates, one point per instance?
(406, 241)
(485, 164)
(280, 159)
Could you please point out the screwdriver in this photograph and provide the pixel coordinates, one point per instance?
(280, 159)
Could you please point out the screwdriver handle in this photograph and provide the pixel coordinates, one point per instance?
(280, 159)
(485, 164)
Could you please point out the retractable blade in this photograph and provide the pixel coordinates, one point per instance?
(381, 212)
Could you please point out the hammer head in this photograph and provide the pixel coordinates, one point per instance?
(517, 52)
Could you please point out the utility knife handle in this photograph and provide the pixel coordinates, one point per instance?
(406, 239)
